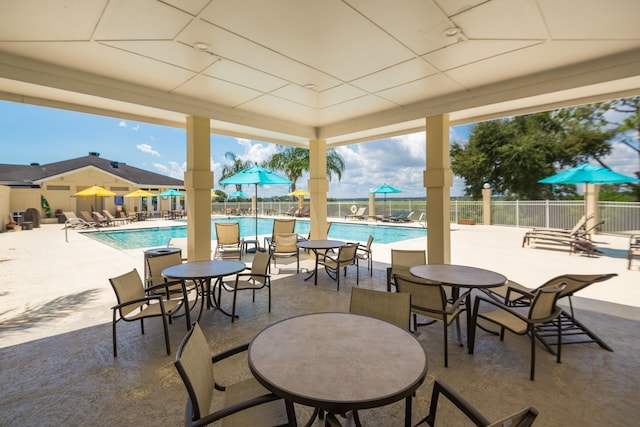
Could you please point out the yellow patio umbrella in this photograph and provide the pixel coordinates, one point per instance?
(95, 191)
(140, 193)
(300, 194)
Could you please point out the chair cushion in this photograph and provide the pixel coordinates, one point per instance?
(269, 414)
(506, 319)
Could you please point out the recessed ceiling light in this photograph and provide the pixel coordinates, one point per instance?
(201, 46)
(451, 31)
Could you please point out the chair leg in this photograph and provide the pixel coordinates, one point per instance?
(115, 348)
(233, 307)
(446, 343)
(166, 331)
(533, 351)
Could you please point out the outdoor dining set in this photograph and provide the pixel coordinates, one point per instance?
(280, 357)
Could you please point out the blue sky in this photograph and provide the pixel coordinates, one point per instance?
(45, 135)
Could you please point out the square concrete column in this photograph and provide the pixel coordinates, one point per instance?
(318, 188)
(591, 195)
(438, 180)
(198, 181)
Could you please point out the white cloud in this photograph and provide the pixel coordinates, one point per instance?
(146, 148)
(122, 124)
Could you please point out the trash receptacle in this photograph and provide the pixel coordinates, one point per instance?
(150, 253)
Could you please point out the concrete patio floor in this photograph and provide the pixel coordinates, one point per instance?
(58, 369)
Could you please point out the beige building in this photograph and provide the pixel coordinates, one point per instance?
(24, 186)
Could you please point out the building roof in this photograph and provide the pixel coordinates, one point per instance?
(342, 71)
(36, 174)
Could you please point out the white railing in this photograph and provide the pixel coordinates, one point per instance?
(618, 217)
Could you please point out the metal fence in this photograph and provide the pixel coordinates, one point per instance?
(618, 217)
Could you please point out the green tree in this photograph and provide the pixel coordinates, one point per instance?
(513, 154)
(236, 165)
(294, 161)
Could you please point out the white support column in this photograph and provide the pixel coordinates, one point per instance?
(591, 195)
(438, 179)
(198, 181)
(318, 188)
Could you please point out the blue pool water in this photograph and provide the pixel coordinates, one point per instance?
(159, 236)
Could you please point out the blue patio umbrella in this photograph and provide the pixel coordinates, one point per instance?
(171, 193)
(255, 175)
(238, 195)
(589, 174)
(385, 189)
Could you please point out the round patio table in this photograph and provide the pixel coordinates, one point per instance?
(309, 360)
(202, 272)
(316, 246)
(460, 276)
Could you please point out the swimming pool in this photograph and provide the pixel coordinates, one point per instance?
(159, 236)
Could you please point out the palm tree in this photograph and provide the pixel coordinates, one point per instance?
(237, 165)
(294, 161)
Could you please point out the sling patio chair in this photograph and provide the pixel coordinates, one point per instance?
(285, 246)
(581, 224)
(346, 257)
(113, 219)
(280, 225)
(364, 254)
(246, 403)
(72, 221)
(542, 310)
(401, 261)
(429, 299)
(134, 303)
(155, 265)
(394, 307)
(229, 244)
(359, 214)
(258, 278)
(102, 220)
(86, 216)
(523, 418)
(573, 331)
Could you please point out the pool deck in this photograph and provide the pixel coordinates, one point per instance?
(58, 368)
(38, 267)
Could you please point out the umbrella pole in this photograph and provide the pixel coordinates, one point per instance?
(257, 245)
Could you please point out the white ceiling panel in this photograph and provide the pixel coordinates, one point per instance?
(244, 76)
(470, 51)
(168, 52)
(268, 105)
(423, 38)
(140, 20)
(338, 95)
(224, 93)
(374, 65)
(503, 19)
(327, 36)
(227, 45)
(393, 76)
(409, 93)
(41, 20)
(592, 19)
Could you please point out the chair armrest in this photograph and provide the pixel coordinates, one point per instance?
(138, 300)
(266, 276)
(522, 292)
(455, 304)
(498, 304)
(440, 387)
(229, 352)
(232, 409)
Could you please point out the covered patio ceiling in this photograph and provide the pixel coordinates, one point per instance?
(290, 71)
